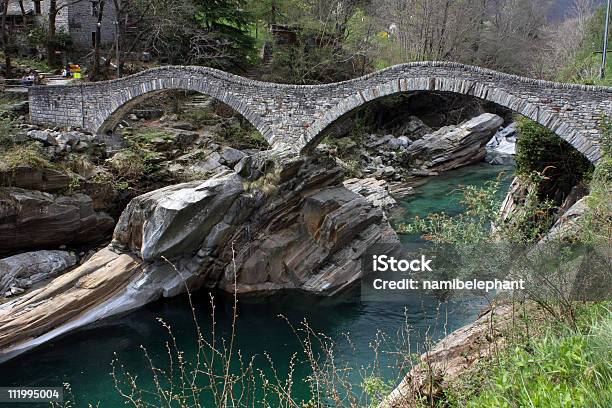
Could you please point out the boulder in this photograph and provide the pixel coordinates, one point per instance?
(453, 146)
(178, 217)
(185, 138)
(231, 156)
(501, 149)
(375, 191)
(210, 164)
(404, 141)
(568, 226)
(388, 171)
(376, 140)
(43, 136)
(33, 219)
(26, 269)
(71, 138)
(30, 178)
(243, 167)
(414, 128)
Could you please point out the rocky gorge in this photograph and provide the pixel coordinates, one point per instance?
(288, 224)
(197, 212)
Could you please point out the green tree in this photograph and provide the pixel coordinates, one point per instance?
(540, 151)
(223, 38)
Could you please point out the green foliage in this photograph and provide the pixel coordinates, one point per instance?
(540, 151)
(562, 368)
(376, 389)
(33, 63)
(268, 11)
(199, 117)
(6, 133)
(586, 65)
(472, 227)
(139, 159)
(241, 136)
(37, 36)
(597, 220)
(315, 58)
(127, 165)
(30, 154)
(223, 40)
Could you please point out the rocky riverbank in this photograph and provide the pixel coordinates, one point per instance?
(288, 223)
(455, 357)
(192, 210)
(424, 151)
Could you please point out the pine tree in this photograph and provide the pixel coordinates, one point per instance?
(223, 40)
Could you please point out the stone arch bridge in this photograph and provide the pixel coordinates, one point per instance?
(295, 116)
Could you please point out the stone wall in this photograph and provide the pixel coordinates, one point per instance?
(295, 116)
(82, 24)
(76, 18)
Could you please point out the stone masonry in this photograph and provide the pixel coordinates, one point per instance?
(295, 116)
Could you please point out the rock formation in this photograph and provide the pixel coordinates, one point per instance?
(34, 220)
(20, 272)
(452, 147)
(375, 191)
(452, 357)
(289, 224)
(501, 149)
(32, 178)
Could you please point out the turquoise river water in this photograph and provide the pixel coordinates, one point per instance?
(83, 358)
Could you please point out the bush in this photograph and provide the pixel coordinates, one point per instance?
(597, 220)
(30, 154)
(242, 136)
(6, 133)
(199, 117)
(540, 151)
(562, 368)
(127, 165)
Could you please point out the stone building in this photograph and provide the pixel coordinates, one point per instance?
(78, 18)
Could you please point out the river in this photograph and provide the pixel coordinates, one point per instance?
(83, 358)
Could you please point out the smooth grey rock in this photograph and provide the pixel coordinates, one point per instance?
(210, 164)
(243, 167)
(404, 141)
(176, 216)
(28, 268)
(43, 136)
(68, 138)
(388, 171)
(231, 156)
(501, 149)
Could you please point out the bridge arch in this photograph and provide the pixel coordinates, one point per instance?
(136, 93)
(536, 110)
